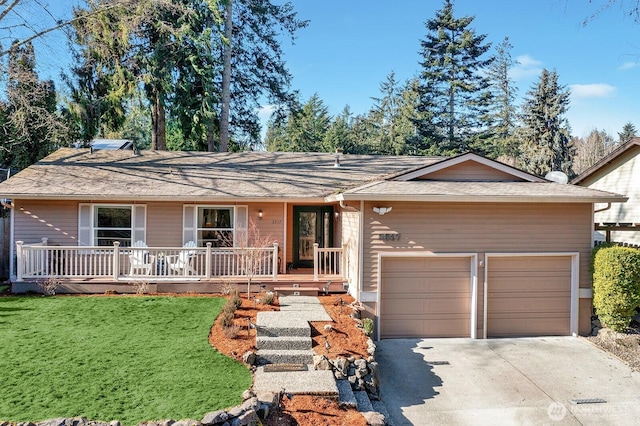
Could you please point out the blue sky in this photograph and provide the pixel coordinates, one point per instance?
(350, 46)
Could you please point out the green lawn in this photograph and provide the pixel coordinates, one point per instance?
(113, 358)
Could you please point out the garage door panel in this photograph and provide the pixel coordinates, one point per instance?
(425, 297)
(528, 296)
(537, 305)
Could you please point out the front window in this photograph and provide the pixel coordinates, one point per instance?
(215, 226)
(112, 223)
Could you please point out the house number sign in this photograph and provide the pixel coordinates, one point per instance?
(389, 237)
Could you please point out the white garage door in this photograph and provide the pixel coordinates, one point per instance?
(528, 296)
(425, 297)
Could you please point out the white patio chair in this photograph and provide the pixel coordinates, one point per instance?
(180, 264)
(140, 261)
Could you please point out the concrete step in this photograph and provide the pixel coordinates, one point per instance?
(274, 356)
(284, 343)
(311, 382)
(364, 404)
(275, 324)
(382, 409)
(346, 397)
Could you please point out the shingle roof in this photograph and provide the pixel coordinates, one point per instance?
(189, 176)
(619, 152)
(423, 190)
(114, 174)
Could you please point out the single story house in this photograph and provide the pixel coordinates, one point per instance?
(618, 172)
(431, 247)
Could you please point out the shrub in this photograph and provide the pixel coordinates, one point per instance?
(367, 326)
(48, 286)
(141, 286)
(229, 307)
(232, 331)
(616, 285)
(228, 287)
(226, 319)
(268, 298)
(236, 300)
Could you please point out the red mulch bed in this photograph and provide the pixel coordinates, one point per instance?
(344, 338)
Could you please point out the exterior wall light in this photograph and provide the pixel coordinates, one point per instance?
(260, 214)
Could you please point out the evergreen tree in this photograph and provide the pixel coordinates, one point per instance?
(453, 90)
(303, 131)
(628, 132)
(503, 111)
(545, 135)
(30, 124)
(339, 133)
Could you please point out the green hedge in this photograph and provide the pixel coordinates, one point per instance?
(616, 285)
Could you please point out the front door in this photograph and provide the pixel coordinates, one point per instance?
(311, 224)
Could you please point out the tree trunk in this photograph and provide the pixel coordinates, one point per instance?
(158, 123)
(211, 133)
(226, 80)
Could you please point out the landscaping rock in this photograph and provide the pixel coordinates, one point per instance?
(249, 358)
(373, 418)
(247, 418)
(247, 394)
(267, 397)
(250, 404)
(187, 422)
(215, 417)
(320, 362)
(235, 412)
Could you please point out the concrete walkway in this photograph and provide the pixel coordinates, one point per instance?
(284, 338)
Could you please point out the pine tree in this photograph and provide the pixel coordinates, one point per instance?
(304, 129)
(503, 111)
(628, 132)
(454, 92)
(545, 135)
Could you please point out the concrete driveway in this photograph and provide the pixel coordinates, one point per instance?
(505, 381)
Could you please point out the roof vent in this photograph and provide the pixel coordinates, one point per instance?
(557, 176)
(337, 162)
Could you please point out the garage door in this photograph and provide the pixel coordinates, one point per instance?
(425, 297)
(528, 296)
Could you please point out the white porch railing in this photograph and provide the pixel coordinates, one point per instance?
(39, 261)
(328, 261)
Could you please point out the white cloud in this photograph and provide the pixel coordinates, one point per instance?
(526, 67)
(598, 90)
(628, 65)
(265, 111)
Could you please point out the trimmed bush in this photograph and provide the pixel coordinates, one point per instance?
(236, 300)
(616, 285)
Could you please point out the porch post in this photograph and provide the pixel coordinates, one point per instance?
(116, 260)
(19, 260)
(207, 262)
(315, 261)
(275, 261)
(343, 266)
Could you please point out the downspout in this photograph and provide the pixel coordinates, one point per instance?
(607, 232)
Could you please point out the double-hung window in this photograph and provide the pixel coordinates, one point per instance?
(104, 224)
(219, 225)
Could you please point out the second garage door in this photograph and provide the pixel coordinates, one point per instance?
(425, 297)
(528, 296)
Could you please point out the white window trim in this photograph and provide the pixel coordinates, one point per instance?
(191, 233)
(87, 231)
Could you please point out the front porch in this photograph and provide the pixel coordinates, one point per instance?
(175, 269)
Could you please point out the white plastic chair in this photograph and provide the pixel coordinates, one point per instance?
(181, 263)
(140, 261)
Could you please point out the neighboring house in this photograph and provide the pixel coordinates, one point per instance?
(448, 247)
(618, 172)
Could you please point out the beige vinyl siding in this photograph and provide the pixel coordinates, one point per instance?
(479, 228)
(56, 220)
(350, 230)
(623, 177)
(471, 170)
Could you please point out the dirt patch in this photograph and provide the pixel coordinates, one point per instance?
(344, 338)
(625, 346)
